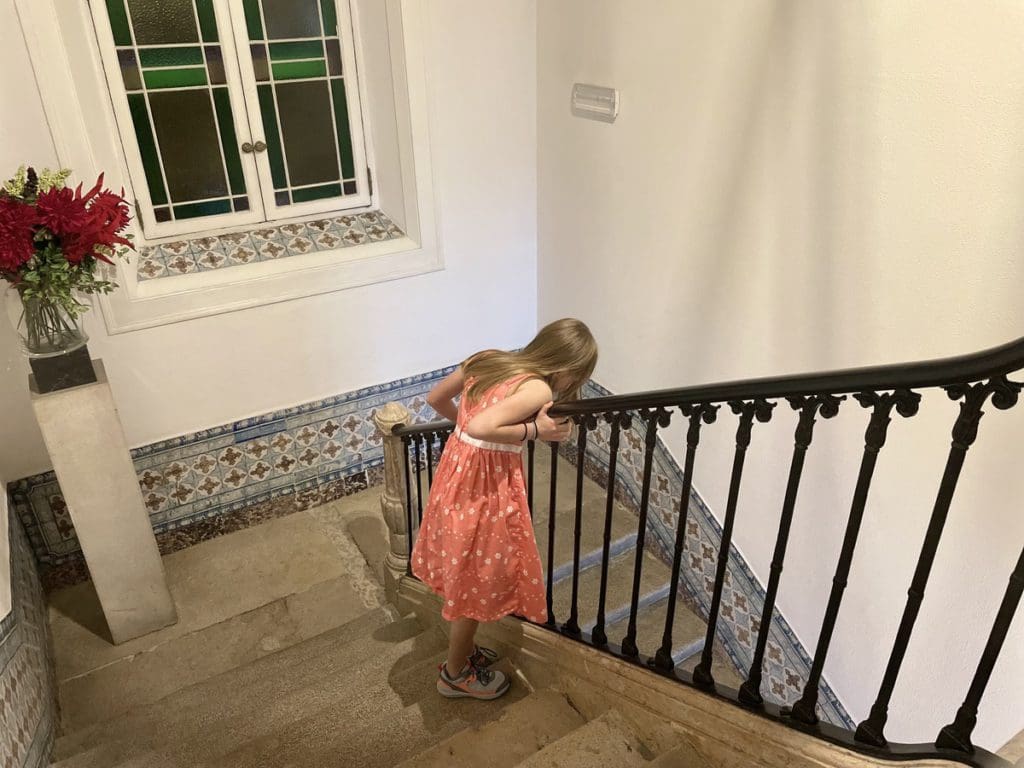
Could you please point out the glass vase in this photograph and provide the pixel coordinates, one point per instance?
(45, 329)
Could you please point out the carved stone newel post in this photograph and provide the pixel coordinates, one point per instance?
(392, 500)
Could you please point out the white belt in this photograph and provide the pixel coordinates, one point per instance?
(487, 446)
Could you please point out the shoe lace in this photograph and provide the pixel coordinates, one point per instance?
(484, 654)
(485, 676)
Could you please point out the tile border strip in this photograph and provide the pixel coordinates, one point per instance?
(268, 242)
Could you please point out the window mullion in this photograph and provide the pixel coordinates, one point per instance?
(233, 42)
(250, 94)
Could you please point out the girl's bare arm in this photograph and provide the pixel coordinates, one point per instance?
(442, 396)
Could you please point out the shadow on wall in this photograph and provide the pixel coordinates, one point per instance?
(795, 129)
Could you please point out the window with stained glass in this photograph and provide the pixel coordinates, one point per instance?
(235, 111)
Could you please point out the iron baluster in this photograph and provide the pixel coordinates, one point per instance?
(957, 735)
(965, 432)
(408, 502)
(419, 484)
(762, 410)
(906, 404)
(707, 414)
(654, 417)
(809, 407)
(585, 423)
(551, 534)
(618, 422)
(428, 440)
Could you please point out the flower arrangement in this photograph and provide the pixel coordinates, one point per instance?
(52, 240)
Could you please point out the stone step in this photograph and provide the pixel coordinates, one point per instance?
(225, 711)
(525, 727)
(688, 629)
(605, 742)
(150, 675)
(367, 725)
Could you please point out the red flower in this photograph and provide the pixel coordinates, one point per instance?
(62, 211)
(17, 225)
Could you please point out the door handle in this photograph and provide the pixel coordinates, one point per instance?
(248, 148)
(259, 146)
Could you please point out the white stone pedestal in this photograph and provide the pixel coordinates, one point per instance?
(90, 455)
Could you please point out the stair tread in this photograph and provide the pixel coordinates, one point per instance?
(398, 718)
(604, 742)
(251, 694)
(592, 519)
(151, 675)
(525, 727)
(688, 629)
(654, 574)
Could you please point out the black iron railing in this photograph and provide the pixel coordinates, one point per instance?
(971, 380)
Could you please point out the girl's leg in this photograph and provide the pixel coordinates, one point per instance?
(460, 644)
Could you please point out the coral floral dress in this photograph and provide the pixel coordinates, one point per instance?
(476, 546)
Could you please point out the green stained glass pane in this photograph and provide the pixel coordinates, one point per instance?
(330, 15)
(316, 193)
(291, 18)
(312, 49)
(348, 168)
(147, 148)
(189, 145)
(195, 210)
(207, 20)
(226, 123)
(170, 57)
(272, 138)
(294, 70)
(158, 22)
(252, 19)
(308, 132)
(119, 22)
(175, 78)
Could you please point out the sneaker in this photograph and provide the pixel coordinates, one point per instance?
(483, 657)
(473, 682)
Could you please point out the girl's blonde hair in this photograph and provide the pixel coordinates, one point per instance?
(563, 347)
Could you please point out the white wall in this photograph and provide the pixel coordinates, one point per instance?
(178, 378)
(796, 186)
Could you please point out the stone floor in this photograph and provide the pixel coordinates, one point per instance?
(239, 597)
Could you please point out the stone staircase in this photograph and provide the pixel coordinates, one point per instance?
(363, 695)
(360, 692)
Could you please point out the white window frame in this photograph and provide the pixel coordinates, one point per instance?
(245, 108)
(72, 85)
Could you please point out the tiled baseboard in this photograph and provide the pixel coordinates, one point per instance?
(28, 695)
(211, 482)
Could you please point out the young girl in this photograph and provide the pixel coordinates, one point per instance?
(475, 546)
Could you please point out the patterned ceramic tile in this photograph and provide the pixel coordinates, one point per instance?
(231, 467)
(203, 254)
(182, 264)
(28, 701)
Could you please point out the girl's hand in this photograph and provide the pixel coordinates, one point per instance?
(549, 430)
